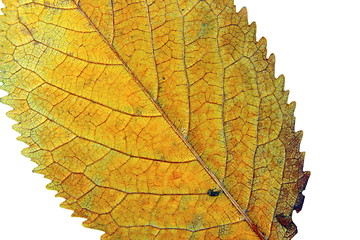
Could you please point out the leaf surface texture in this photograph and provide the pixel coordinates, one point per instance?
(136, 110)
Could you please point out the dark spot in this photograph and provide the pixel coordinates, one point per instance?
(213, 192)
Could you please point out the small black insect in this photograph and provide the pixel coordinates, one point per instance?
(213, 192)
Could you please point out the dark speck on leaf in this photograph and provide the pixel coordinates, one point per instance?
(213, 192)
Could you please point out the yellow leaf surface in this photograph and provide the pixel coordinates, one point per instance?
(154, 119)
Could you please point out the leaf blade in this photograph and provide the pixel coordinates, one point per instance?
(158, 120)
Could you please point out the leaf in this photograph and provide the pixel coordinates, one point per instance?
(154, 119)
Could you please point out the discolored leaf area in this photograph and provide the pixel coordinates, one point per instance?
(154, 119)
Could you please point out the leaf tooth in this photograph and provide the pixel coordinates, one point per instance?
(243, 16)
(5, 85)
(302, 182)
(96, 221)
(91, 221)
(76, 214)
(292, 105)
(291, 111)
(299, 136)
(261, 44)
(282, 97)
(271, 64)
(65, 204)
(51, 185)
(295, 143)
(18, 127)
(4, 11)
(105, 236)
(28, 152)
(300, 156)
(8, 100)
(80, 213)
(59, 194)
(71, 204)
(286, 96)
(25, 139)
(280, 82)
(9, 3)
(37, 161)
(88, 223)
(40, 170)
(252, 30)
(2, 17)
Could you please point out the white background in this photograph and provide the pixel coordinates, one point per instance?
(316, 44)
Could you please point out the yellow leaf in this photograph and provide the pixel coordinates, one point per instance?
(155, 119)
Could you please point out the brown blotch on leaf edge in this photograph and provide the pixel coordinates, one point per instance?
(301, 184)
(287, 222)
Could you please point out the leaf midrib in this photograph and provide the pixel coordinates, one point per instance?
(186, 142)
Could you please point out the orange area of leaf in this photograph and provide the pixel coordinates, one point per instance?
(135, 110)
